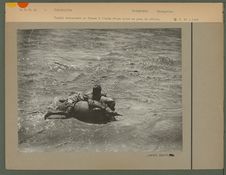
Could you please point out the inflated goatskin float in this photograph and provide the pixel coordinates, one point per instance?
(83, 113)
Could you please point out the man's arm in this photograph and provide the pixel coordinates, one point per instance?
(104, 94)
(96, 104)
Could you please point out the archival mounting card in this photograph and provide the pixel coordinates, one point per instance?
(91, 89)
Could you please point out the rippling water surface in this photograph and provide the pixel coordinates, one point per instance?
(139, 68)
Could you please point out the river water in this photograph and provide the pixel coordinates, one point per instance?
(139, 68)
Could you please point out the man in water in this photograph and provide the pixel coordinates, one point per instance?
(97, 101)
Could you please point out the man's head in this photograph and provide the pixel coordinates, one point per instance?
(96, 92)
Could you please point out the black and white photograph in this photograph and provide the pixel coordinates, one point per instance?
(100, 90)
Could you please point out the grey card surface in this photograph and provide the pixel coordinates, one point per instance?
(91, 89)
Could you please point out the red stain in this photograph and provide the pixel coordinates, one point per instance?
(22, 4)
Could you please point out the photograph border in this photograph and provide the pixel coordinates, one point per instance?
(20, 160)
